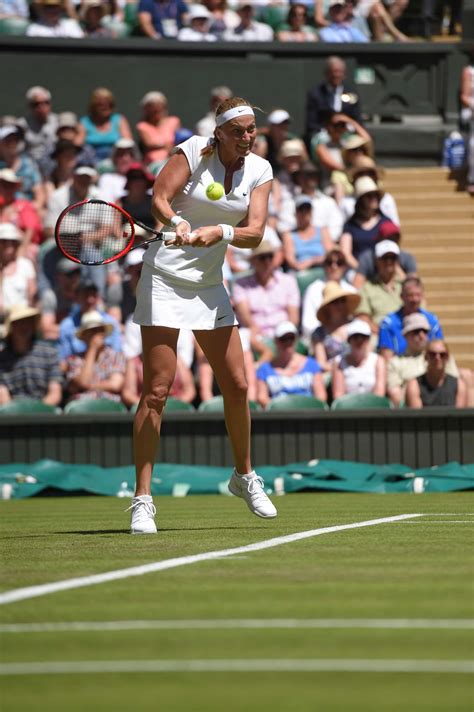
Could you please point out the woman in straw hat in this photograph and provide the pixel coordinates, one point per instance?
(99, 371)
(335, 314)
(361, 230)
(365, 166)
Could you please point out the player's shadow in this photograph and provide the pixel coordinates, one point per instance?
(95, 532)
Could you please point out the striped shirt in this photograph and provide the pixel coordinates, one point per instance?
(29, 375)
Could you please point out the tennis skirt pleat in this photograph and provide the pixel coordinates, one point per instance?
(160, 303)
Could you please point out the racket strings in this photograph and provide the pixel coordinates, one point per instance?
(94, 233)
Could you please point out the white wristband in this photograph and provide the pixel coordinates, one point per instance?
(177, 219)
(227, 232)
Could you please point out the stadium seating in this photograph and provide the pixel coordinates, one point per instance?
(216, 405)
(307, 277)
(25, 406)
(294, 402)
(360, 400)
(94, 405)
(13, 26)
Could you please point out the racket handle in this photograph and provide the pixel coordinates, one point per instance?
(171, 236)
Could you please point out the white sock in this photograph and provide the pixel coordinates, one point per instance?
(249, 474)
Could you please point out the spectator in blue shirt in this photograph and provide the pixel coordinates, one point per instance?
(340, 30)
(161, 19)
(289, 372)
(391, 339)
(87, 300)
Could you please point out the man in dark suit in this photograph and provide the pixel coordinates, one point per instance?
(333, 94)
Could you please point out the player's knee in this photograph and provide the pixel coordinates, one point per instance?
(156, 397)
(237, 389)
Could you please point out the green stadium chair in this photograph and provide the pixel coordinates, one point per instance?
(176, 404)
(274, 16)
(26, 406)
(13, 26)
(94, 405)
(295, 402)
(216, 405)
(307, 277)
(360, 400)
(131, 17)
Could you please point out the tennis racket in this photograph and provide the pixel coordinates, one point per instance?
(95, 232)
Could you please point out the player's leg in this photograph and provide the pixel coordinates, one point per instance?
(223, 350)
(159, 367)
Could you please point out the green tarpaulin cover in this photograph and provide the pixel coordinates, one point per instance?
(47, 477)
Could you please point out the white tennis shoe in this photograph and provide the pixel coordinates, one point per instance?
(143, 515)
(250, 488)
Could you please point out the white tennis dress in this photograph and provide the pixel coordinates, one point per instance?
(181, 287)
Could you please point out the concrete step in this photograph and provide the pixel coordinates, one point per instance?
(439, 298)
(459, 327)
(420, 211)
(446, 269)
(406, 196)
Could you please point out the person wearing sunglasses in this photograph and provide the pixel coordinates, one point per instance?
(39, 123)
(335, 267)
(327, 145)
(436, 387)
(360, 370)
(289, 372)
(402, 369)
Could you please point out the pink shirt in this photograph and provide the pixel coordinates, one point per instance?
(268, 304)
(158, 135)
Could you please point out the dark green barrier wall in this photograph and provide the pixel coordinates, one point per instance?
(392, 80)
(416, 439)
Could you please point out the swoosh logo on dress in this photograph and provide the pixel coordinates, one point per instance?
(222, 317)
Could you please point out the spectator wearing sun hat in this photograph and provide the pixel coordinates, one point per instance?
(326, 213)
(29, 366)
(362, 229)
(289, 372)
(98, 372)
(360, 370)
(51, 23)
(381, 294)
(199, 21)
(335, 313)
(365, 166)
(366, 268)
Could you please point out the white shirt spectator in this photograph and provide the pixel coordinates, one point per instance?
(359, 379)
(15, 286)
(111, 186)
(256, 32)
(14, 8)
(64, 28)
(187, 34)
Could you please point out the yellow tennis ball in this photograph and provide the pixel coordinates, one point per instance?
(215, 191)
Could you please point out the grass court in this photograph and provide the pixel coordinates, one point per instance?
(369, 618)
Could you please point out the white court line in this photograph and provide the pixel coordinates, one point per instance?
(265, 665)
(21, 594)
(243, 623)
(441, 521)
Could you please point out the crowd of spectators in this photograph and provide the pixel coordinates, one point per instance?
(328, 304)
(218, 20)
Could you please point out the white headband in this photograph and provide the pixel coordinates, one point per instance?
(234, 113)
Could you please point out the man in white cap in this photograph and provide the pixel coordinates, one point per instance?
(113, 170)
(199, 19)
(82, 188)
(412, 363)
(51, 22)
(381, 295)
(275, 134)
(29, 367)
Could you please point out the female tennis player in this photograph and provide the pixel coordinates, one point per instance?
(181, 287)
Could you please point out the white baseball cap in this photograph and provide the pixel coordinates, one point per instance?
(278, 116)
(9, 231)
(198, 11)
(86, 171)
(386, 247)
(285, 327)
(358, 326)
